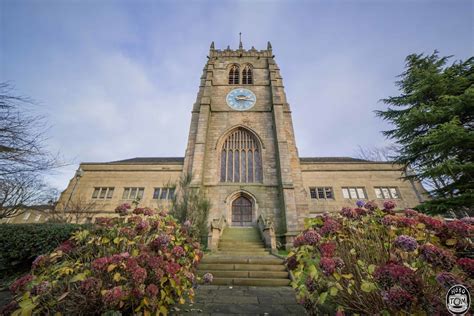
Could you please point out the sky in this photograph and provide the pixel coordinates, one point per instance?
(117, 79)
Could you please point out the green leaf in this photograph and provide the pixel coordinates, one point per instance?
(348, 276)
(451, 242)
(352, 251)
(78, 277)
(313, 272)
(371, 268)
(322, 298)
(333, 291)
(27, 307)
(368, 287)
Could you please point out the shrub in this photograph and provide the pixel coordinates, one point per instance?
(190, 207)
(134, 264)
(372, 261)
(21, 243)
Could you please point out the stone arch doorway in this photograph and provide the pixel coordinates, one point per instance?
(242, 211)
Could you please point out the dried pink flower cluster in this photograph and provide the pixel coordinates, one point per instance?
(122, 209)
(327, 249)
(330, 226)
(327, 265)
(112, 297)
(437, 257)
(349, 212)
(40, 262)
(392, 274)
(90, 286)
(459, 228)
(467, 265)
(398, 299)
(67, 246)
(447, 279)
(207, 278)
(160, 242)
(178, 251)
(20, 284)
(371, 205)
(406, 243)
(389, 205)
(311, 237)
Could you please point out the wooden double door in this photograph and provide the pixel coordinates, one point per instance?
(242, 212)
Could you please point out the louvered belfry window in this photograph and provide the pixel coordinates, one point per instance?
(241, 159)
(234, 74)
(247, 77)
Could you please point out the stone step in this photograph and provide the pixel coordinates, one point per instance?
(251, 282)
(234, 249)
(237, 246)
(242, 252)
(240, 243)
(245, 274)
(240, 239)
(241, 267)
(241, 259)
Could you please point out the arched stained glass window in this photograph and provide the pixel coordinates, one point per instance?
(241, 159)
(247, 76)
(234, 74)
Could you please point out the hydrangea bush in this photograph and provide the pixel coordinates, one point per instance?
(140, 263)
(368, 260)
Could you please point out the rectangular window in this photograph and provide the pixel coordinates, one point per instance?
(321, 193)
(26, 216)
(378, 193)
(345, 193)
(110, 193)
(360, 193)
(329, 194)
(156, 193)
(353, 193)
(163, 194)
(96, 193)
(133, 193)
(103, 193)
(387, 193)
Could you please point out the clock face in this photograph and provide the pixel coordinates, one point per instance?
(241, 99)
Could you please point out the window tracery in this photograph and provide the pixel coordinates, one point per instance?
(247, 75)
(241, 159)
(234, 74)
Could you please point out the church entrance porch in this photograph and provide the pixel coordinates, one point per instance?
(242, 212)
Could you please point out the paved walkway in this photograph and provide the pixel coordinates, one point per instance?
(242, 300)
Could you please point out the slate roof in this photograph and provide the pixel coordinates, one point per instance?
(180, 160)
(138, 160)
(332, 159)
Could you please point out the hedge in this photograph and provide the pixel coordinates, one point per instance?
(20, 244)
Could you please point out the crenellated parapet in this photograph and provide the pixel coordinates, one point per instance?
(240, 52)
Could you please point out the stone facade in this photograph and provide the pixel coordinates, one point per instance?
(283, 195)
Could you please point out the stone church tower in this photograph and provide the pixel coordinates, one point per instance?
(242, 154)
(241, 149)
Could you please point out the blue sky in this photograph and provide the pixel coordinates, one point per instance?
(117, 79)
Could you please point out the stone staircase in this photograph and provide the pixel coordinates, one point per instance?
(243, 260)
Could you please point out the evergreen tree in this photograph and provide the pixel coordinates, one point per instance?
(433, 120)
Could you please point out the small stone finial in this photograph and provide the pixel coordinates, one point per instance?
(269, 46)
(240, 41)
(212, 45)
